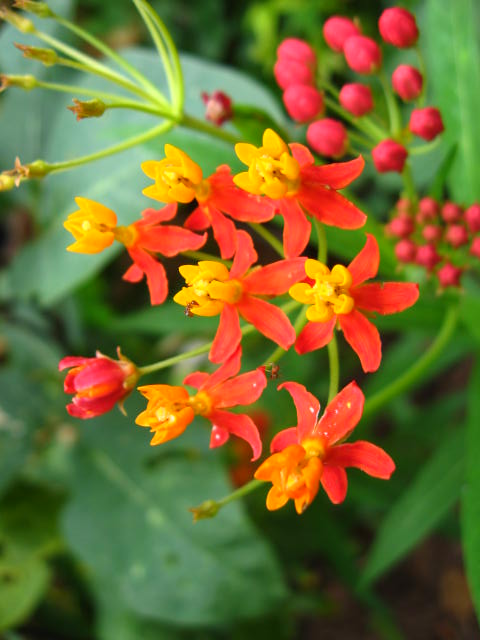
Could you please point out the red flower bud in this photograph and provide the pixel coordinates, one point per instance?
(449, 275)
(362, 54)
(296, 49)
(426, 123)
(337, 30)
(407, 82)
(389, 155)
(475, 247)
(427, 256)
(451, 212)
(288, 71)
(328, 137)
(432, 233)
(356, 98)
(398, 27)
(427, 209)
(403, 205)
(302, 102)
(456, 235)
(401, 226)
(218, 107)
(472, 217)
(406, 250)
(98, 383)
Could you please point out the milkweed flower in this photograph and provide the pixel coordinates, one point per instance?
(94, 228)
(98, 384)
(340, 296)
(214, 290)
(179, 179)
(313, 453)
(171, 409)
(287, 175)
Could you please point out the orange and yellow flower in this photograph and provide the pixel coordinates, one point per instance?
(313, 452)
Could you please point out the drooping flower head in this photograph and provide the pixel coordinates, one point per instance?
(286, 174)
(212, 289)
(98, 384)
(313, 453)
(171, 409)
(340, 296)
(179, 179)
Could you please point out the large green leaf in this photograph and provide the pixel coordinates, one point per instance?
(452, 35)
(417, 512)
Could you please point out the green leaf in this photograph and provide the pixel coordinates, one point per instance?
(452, 35)
(470, 503)
(419, 510)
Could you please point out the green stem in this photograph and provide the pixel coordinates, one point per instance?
(362, 124)
(268, 237)
(322, 248)
(423, 71)
(418, 370)
(240, 492)
(392, 107)
(359, 139)
(334, 364)
(409, 183)
(425, 148)
(217, 132)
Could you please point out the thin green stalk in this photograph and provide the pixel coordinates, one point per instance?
(419, 369)
(334, 365)
(359, 139)
(322, 248)
(409, 183)
(392, 107)
(240, 492)
(425, 148)
(216, 132)
(423, 71)
(362, 124)
(268, 237)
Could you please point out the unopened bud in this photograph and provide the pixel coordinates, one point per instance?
(432, 233)
(403, 205)
(472, 217)
(401, 226)
(48, 57)
(427, 209)
(356, 98)
(288, 71)
(449, 276)
(398, 27)
(427, 256)
(451, 212)
(337, 30)
(40, 9)
(296, 49)
(88, 108)
(302, 102)
(407, 82)
(456, 235)
(207, 509)
(7, 182)
(328, 137)
(16, 20)
(24, 82)
(362, 54)
(475, 247)
(426, 123)
(389, 155)
(406, 250)
(218, 107)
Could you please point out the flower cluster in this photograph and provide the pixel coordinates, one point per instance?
(442, 237)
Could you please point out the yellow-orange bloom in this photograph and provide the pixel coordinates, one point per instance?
(168, 413)
(92, 226)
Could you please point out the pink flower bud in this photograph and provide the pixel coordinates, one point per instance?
(403, 205)
(389, 155)
(472, 217)
(302, 102)
(427, 256)
(406, 250)
(218, 107)
(449, 275)
(356, 98)
(362, 54)
(398, 27)
(337, 30)
(427, 209)
(407, 82)
(475, 247)
(328, 137)
(456, 235)
(432, 233)
(451, 212)
(401, 226)
(299, 50)
(426, 123)
(288, 71)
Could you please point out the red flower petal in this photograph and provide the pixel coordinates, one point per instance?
(72, 361)
(198, 220)
(241, 390)
(239, 204)
(284, 439)
(341, 415)
(156, 277)
(362, 455)
(224, 232)
(268, 319)
(385, 298)
(229, 368)
(296, 230)
(302, 154)
(155, 216)
(170, 240)
(330, 207)
(196, 379)
(245, 255)
(364, 339)
(133, 274)
(307, 407)
(337, 175)
(228, 335)
(239, 425)
(276, 278)
(365, 264)
(314, 335)
(99, 372)
(334, 481)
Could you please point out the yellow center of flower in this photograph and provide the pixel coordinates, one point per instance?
(208, 288)
(200, 403)
(126, 235)
(272, 170)
(329, 296)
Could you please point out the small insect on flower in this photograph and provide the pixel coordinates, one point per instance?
(188, 308)
(271, 370)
